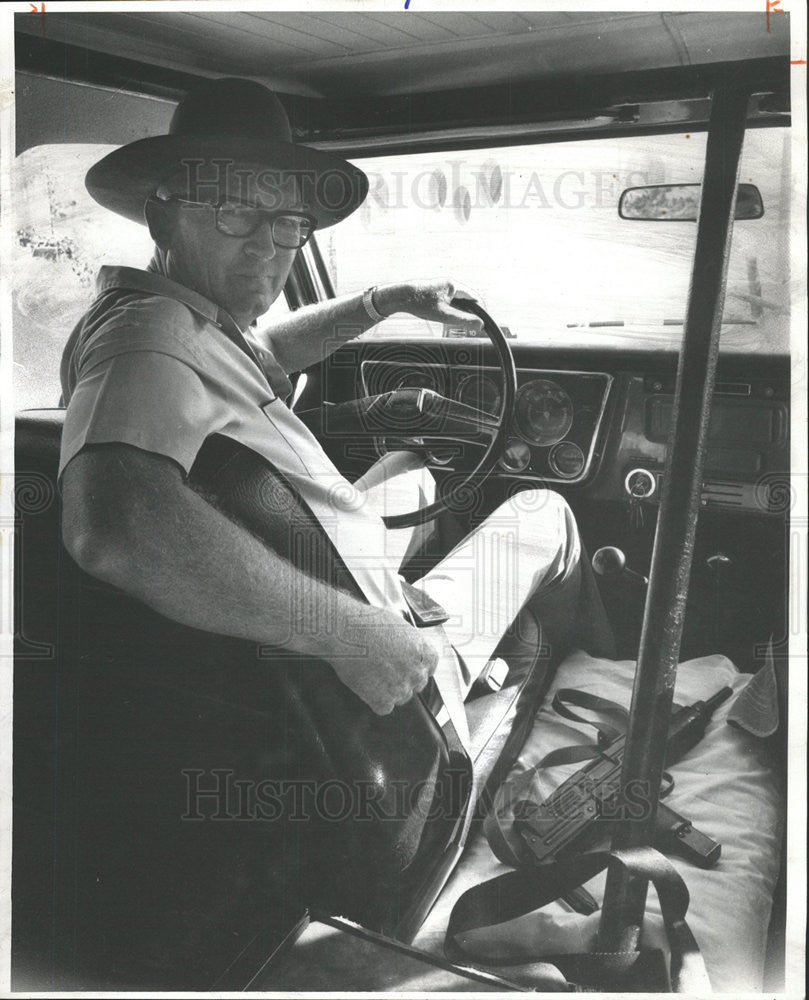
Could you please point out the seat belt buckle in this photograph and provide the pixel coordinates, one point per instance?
(425, 611)
(493, 676)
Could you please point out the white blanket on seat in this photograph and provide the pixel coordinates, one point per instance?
(726, 786)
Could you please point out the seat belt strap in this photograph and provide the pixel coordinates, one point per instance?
(520, 892)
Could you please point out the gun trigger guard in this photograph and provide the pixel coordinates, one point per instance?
(667, 785)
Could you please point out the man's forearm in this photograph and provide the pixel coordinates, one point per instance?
(227, 582)
(310, 334)
(129, 519)
(182, 557)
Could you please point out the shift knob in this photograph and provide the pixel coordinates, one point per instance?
(610, 563)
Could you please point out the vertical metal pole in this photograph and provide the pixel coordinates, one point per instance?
(625, 896)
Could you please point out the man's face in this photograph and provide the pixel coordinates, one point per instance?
(242, 274)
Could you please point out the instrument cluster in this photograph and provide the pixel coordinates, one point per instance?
(556, 420)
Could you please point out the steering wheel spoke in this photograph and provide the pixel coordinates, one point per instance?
(407, 412)
(419, 419)
(479, 423)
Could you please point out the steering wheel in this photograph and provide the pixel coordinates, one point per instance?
(422, 416)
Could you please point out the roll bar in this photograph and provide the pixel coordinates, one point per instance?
(650, 710)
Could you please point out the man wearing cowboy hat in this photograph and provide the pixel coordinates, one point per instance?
(165, 358)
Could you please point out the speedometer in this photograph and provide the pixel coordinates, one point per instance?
(544, 412)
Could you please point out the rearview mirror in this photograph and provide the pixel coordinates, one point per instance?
(680, 203)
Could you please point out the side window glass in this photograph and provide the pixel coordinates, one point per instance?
(62, 237)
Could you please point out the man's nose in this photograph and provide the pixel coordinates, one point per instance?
(260, 243)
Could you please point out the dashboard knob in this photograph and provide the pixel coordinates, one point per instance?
(640, 484)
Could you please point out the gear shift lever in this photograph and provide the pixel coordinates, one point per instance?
(610, 563)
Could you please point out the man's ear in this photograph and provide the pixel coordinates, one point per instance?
(160, 221)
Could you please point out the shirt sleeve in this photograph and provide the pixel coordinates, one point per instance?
(145, 398)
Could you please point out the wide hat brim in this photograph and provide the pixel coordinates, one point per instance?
(329, 187)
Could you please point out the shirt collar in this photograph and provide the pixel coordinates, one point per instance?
(150, 283)
(134, 279)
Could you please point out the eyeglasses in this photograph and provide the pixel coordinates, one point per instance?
(290, 230)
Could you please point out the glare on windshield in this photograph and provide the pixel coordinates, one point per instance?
(535, 231)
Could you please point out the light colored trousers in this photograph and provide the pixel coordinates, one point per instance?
(524, 551)
(527, 551)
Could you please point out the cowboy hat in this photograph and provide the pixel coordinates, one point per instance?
(227, 122)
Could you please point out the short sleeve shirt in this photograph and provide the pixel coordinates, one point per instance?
(155, 365)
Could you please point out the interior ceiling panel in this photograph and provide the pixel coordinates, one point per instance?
(347, 54)
(320, 33)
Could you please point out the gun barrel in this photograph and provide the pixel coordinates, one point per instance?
(711, 704)
(688, 725)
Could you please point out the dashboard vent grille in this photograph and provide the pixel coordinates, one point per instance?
(733, 389)
(723, 494)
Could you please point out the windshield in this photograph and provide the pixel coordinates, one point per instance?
(532, 229)
(535, 231)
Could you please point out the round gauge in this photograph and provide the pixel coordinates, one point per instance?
(516, 456)
(544, 412)
(567, 460)
(482, 393)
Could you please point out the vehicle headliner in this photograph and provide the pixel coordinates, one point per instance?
(348, 76)
(318, 54)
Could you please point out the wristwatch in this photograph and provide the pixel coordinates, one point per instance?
(368, 302)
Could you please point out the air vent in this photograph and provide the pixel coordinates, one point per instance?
(733, 389)
(723, 495)
(756, 497)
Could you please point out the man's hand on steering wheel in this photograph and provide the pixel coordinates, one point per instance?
(431, 300)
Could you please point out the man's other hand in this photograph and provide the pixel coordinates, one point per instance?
(384, 660)
(429, 300)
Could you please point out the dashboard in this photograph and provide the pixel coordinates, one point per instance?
(747, 456)
(557, 415)
(593, 422)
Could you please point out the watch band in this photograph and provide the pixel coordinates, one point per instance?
(368, 303)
